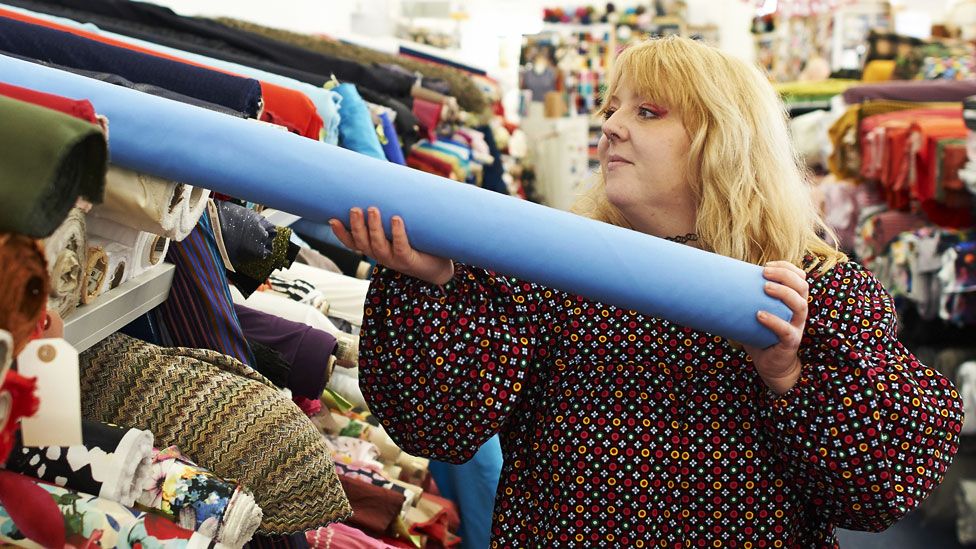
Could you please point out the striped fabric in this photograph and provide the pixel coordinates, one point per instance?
(199, 312)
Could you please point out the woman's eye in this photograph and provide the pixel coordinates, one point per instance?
(608, 113)
(646, 114)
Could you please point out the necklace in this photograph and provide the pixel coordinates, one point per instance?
(690, 237)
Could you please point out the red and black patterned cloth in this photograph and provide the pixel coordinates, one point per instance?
(620, 429)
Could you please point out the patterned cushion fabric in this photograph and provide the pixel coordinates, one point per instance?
(224, 416)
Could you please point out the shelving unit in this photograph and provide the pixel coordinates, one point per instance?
(112, 310)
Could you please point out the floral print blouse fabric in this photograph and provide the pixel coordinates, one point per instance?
(620, 429)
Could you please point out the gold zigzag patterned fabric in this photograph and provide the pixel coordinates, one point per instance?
(225, 417)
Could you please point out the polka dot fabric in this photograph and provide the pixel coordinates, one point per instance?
(620, 429)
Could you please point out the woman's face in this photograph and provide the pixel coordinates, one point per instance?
(643, 155)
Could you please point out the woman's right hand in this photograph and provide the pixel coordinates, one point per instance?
(366, 235)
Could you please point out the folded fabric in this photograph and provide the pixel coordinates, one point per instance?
(147, 250)
(346, 295)
(225, 417)
(61, 156)
(704, 291)
(45, 44)
(119, 255)
(373, 508)
(304, 347)
(66, 253)
(198, 500)
(300, 291)
(112, 462)
(81, 109)
(82, 520)
(23, 288)
(199, 312)
(143, 202)
(356, 131)
(96, 272)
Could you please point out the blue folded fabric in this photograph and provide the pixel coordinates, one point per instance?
(392, 146)
(603, 262)
(356, 131)
(54, 46)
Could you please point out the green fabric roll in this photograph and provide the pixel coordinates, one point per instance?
(47, 159)
(469, 95)
(225, 417)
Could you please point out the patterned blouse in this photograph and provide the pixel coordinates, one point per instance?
(619, 429)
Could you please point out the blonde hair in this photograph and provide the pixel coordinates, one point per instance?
(754, 199)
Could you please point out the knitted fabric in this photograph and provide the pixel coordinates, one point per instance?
(225, 417)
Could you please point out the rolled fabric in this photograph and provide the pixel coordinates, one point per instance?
(112, 462)
(194, 204)
(119, 255)
(346, 295)
(96, 272)
(142, 202)
(198, 500)
(223, 415)
(88, 519)
(602, 262)
(61, 156)
(66, 252)
(147, 249)
(279, 305)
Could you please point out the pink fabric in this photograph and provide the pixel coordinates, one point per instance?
(341, 536)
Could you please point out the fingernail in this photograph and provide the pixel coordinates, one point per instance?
(761, 315)
(397, 220)
(769, 285)
(373, 211)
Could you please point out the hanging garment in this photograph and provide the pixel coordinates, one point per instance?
(63, 48)
(227, 418)
(150, 204)
(305, 348)
(356, 131)
(63, 158)
(112, 462)
(66, 252)
(62, 517)
(198, 500)
(199, 312)
(147, 250)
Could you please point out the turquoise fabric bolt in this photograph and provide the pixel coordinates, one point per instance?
(317, 181)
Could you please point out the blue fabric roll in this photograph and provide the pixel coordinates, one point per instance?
(62, 48)
(392, 146)
(356, 131)
(603, 262)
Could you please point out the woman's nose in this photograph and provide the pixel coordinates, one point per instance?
(613, 129)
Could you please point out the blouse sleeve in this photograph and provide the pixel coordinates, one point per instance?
(868, 431)
(443, 367)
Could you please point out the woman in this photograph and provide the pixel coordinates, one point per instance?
(624, 430)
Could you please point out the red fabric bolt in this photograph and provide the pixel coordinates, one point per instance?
(429, 115)
(81, 108)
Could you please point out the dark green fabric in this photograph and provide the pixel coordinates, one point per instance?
(261, 269)
(47, 160)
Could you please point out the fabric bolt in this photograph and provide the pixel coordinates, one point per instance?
(345, 382)
(926, 166)
(429, 114)
(342, 536)
(112, 462)
(356, 131)
(64, 48)
(300, 291)
(198, 400)
(282, 307)
(664, 278)
(944, 90)
(148, 250)
(95, 273)
(65, 252)
(539, 403)
(199, 312)
(198, 500)
(91, 520)
(405, 123)
(305, 348)
(282, 102)
(81, 109)
(23, 286)
(374, 509)
(391, 147)
(117, 256)
(270, 363)
(345, 294)
(246, 234)
(495, 171)
(143, 202)
(62, 156)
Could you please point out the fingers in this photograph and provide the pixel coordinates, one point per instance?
(401, 244)
(377, 237)
(788, 275)
(788, 334)
(342, 234)
(796, 303)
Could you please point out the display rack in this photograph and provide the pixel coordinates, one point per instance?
(112, 310)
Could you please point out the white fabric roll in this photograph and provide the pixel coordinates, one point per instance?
(66, 252)
(132, 468)
(345, 381)
(346, 295)
(193, 207)
(147, 249)
(96, 271)
(279, 305)
(119, 256)
(241, 521)
(142, 202)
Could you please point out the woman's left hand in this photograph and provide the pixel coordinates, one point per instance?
(779, 366)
